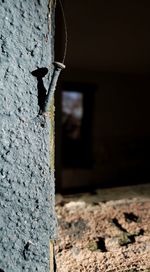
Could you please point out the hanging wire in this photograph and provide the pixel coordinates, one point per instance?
(52, 3)
(65, 29)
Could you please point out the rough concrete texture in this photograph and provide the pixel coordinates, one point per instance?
(27, 219)
(104, 237)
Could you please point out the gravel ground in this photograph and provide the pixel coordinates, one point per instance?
(107, 236)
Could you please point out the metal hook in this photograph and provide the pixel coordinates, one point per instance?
(58, 66)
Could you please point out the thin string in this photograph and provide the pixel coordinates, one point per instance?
(52, 3)
(66, 31)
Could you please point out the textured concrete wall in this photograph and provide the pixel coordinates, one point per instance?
(27, 220)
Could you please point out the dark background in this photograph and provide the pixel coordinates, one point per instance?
(108, 45)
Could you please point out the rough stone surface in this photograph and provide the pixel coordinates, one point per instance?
(27, 219)
(108, 236)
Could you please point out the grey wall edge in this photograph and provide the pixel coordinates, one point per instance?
(27, 219)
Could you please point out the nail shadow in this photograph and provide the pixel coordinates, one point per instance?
(39, 73)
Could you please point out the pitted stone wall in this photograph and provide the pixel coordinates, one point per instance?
(27, 220)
